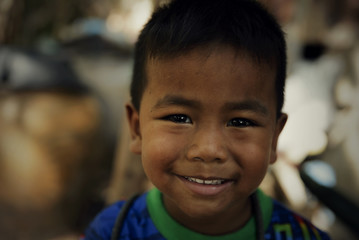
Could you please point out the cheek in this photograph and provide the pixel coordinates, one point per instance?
(159, 152)
(255, 160)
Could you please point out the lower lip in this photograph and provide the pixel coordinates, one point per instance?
(206, 190)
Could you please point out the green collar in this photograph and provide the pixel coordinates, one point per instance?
(171, 229)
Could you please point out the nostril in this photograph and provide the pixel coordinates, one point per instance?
(197, 159)
(206, 154)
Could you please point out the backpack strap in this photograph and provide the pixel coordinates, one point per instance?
(116, 230)
(258, 217)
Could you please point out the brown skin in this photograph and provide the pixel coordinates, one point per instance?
(208, 114)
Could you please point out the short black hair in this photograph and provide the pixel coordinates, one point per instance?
(183, 25)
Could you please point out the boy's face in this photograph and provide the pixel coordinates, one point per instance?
(207, 131)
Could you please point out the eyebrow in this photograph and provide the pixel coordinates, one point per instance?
(247, 105)
(169, 100)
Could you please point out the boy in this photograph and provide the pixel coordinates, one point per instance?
(205, 115)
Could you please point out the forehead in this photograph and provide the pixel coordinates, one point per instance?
(210, 79)
(219, 59)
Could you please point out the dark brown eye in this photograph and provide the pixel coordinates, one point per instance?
(178, 118)
(240, 123)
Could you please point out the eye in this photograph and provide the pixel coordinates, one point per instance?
(240, 123)
(178, 118)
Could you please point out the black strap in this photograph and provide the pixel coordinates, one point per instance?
(258, 218)
(121, 217)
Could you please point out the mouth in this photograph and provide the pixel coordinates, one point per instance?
(207, 187)
(206, 181)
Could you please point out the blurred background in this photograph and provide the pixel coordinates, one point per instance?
(65, 67)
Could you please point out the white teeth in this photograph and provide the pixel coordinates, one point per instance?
(206, 182)
(198, 180)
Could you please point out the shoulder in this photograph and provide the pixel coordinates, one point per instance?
(102, 225)
(285, 222)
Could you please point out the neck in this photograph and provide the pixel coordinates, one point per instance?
(224, 222)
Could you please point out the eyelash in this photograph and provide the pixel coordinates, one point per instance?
(240, 123)
(178, 118)
(184, 119)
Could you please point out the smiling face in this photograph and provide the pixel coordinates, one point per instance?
(207, 131)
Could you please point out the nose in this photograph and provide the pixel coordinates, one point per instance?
(207, 144)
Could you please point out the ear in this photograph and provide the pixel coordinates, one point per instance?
(134, 124)
(280, 123)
